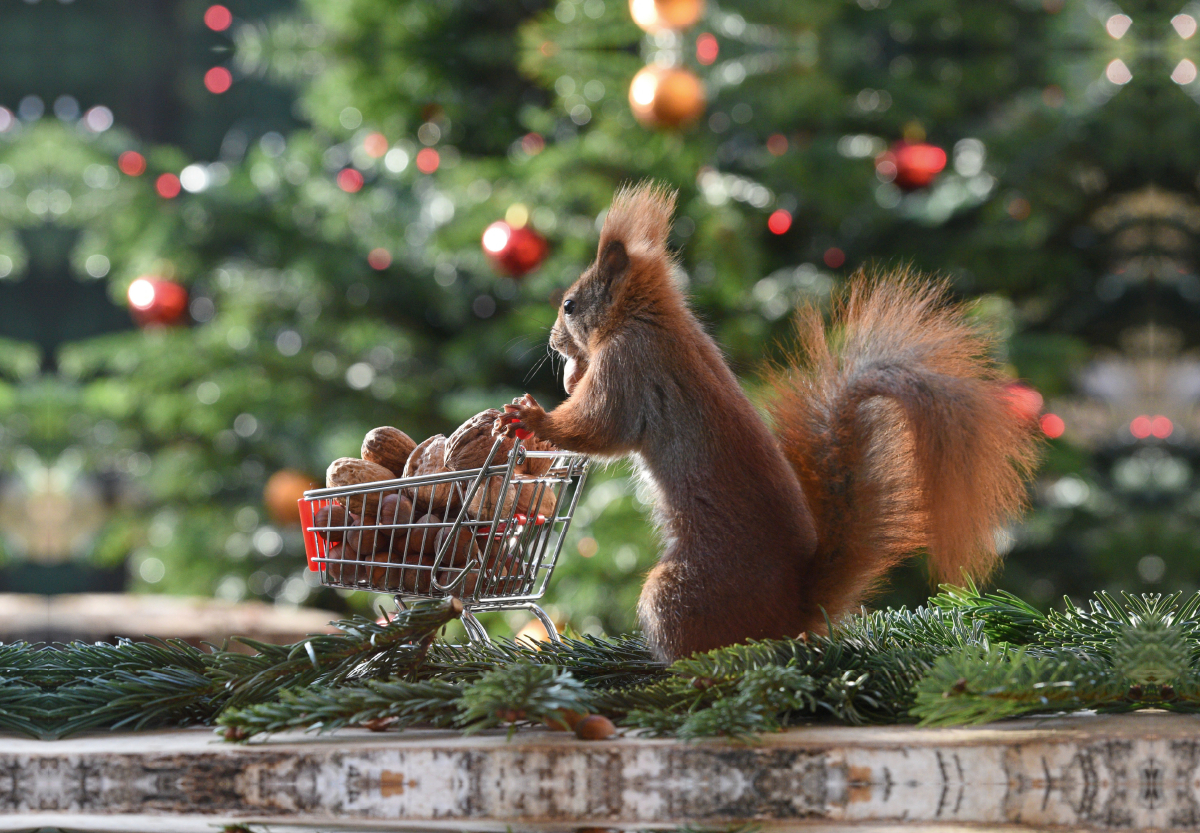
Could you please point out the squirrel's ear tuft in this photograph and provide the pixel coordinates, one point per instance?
(613, 261)
(640, 218)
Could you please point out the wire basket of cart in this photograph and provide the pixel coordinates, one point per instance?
(490, 536)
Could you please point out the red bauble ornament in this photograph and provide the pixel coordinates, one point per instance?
(516, 251)
(156, 302)
(910, 166)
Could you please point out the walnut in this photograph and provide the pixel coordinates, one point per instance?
(389, 447)
(350, 471)
(430, 458)
(468, 446)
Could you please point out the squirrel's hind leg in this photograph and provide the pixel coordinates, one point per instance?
(682, 611)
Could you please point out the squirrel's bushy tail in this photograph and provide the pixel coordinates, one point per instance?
(896, 422)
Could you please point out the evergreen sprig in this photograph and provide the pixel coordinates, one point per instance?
(379, 703)
(523, 691)
(967, 658)
(65, 689)
(1111, 656)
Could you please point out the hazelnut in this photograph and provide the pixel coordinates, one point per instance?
(522, 495)
(461, 551)
(595, 727)
(563, 720)
(334, 515)
(409, 565)
(342, 565)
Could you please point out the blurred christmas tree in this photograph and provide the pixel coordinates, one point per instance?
(391, 255)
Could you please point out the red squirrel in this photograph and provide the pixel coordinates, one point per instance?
(891, 434)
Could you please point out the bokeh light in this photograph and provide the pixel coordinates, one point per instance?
(379, 258)
(1117, 25)
(428, 160)
(218, 80)
(1025, 402)
(495, 237)
(218, 18)
(350, 180)
(375, 144)
(141, 294)
(131, 163)
(1161, 427)
(98, 119)
(532, 143)
(1052, 425)
(1118, 73)
(168, 186)
(779, 221)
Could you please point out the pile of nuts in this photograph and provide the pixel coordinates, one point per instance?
(361, 529)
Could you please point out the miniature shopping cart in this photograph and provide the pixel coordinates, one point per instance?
(489, 536)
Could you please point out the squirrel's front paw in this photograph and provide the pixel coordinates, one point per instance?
(520, 419)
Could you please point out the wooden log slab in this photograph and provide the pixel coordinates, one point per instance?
(92, 617)
(1100, 772)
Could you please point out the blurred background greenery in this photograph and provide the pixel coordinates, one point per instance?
(303, 189)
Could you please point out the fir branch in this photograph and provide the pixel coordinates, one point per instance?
(616, 662)
(22, 707)
(521, 692)
(148, 699)
(955, 662)
(1005, 617)
(979, 685)
(398, 704)
(1095, 627)
(362, 650)
(1151, 652)
(732, 718)
(659, 706)
(138, 685)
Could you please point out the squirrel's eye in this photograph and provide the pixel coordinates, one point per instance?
(569, 306)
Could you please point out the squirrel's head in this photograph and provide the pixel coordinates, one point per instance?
(628, 281)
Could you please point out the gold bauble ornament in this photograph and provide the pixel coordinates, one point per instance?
(284, 488)
(653, 15)
(666, 96)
